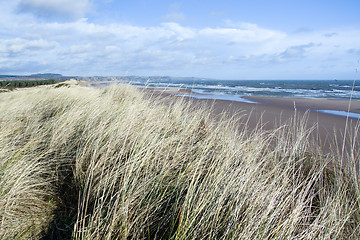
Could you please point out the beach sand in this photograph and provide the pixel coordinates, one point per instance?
(272, 112)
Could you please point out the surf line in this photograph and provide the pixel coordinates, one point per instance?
(340, 113)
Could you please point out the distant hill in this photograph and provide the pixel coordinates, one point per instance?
(42, 75)
(7, 76)
(46, 75)
(37, 76)
(60, 77)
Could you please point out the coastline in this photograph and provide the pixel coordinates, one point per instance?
(273, 112)
(127, 148)
(310, 103)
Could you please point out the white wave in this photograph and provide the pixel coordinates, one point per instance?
(340, 113)
(243, 90)
(220, 97)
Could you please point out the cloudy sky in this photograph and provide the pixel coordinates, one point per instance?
(227, 39)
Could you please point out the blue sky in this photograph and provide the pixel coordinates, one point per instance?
(225, 39)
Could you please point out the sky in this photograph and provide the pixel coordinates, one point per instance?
(227, 39)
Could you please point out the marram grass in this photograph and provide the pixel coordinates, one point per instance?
(84, 163)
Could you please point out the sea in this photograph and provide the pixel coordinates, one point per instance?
(236, 89)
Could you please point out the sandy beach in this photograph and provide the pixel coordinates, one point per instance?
(328, 130)
(272, 112)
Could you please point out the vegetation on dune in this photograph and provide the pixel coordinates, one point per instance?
(25, 83)
(110, 163)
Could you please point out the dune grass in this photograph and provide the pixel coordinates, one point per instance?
(84, 163)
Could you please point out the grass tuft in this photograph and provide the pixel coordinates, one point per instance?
(84, 163)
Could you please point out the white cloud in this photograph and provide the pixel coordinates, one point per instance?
(244, 33)
(295, 52)
(87, 48)
(54, 9)
(180, 32)
(20, 47)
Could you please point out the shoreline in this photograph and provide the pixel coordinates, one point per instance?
(303, 104)
(273, 112)
(310, 103)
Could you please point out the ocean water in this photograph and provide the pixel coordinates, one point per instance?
(236, 89)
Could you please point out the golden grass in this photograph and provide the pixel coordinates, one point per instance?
(109, 163)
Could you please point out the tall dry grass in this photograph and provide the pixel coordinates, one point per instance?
(110, 163)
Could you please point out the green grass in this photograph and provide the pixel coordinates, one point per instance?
(110, 163)
(11, 85)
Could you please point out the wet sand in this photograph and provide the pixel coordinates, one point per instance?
(310, 103)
